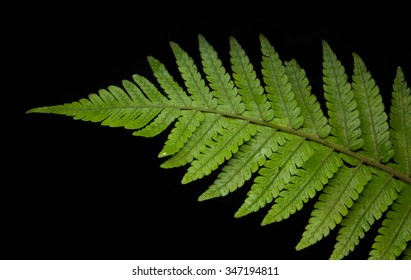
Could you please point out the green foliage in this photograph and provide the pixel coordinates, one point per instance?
(269, 132)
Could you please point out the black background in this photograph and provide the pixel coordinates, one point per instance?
(78, 190)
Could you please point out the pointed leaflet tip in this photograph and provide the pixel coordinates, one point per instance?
(162, 154)
(301, 245)
(261, 36)
(201, 37)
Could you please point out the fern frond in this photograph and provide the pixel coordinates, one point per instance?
(334, 203)
(314, 120)
(272, 129)
(395, 232)
(313, 175)
(136, 119)
(342, 108)
(276, 173)
(251, 156)
(115, 108)
(187, 124)
(400, 116)
(193, 80)
(249, 86)
(286, 111)
(396, 228)
(189, 120)
(166, 116)
(219, 80)
(373, 119)
(176, 95)
(225, 145)
(374, 200)
(210, 128)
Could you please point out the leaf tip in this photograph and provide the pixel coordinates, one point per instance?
(264, 222)
(39, 110)
(186, 179)
(239, 214)
(162, 154)
(203, 197)
(301, 245)
(201, 37)
(153, 62)
(261, 36)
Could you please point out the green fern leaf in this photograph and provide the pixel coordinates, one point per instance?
(228, 140)
(313, 175)
(334, 202)
(396, 228)
(355, 163)
(113, 107)
(374, 125)
(252, 155)
(193, 80)
(189, 120)
(137, 118)
(166, 116)
(400, 117)
(249, 86)
(286, 111)
(276, 173)
(314, 120)
(174, 92)
(202, 138)
(374, 200)
(225, 145)
(187, 124)
(342, 108)
(219, 80)
(249, 159)
(202, 98)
